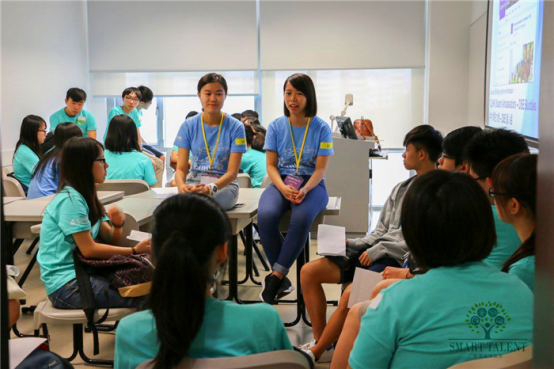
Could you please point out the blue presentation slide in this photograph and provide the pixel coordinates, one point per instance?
(515, 65)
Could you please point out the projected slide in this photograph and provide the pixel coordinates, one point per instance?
(515, 65)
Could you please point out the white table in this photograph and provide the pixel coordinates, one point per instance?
(105, 197)
(8, 199)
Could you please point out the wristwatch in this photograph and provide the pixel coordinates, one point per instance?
(213, 189)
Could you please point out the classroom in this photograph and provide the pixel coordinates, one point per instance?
(274, 183)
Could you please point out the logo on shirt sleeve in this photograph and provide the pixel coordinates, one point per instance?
(240, 141)
(326, 145)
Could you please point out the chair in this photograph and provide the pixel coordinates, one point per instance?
(265, 182)
(129, 186)
(12, 187)
(7, 170)
(244, 180)
(282, 359)
(46, 313)
(513, 360)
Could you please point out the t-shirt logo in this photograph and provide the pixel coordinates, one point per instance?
(240, 141)
(81, 120)
(326, 145)
(486, 318)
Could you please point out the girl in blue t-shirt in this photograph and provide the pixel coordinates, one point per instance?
(123, 152)
(514, 189)
(298, 146)
(216, 142)
(28, 150)
(46, 177)
(184, 320)
(75, 218)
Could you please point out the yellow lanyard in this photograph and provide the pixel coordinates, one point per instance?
(210, 157)
(297, 157)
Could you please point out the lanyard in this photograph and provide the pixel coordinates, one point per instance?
(298, 157)
(210, 157)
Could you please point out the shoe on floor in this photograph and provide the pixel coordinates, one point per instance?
(270, 288)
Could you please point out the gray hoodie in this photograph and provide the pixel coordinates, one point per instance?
(387, 239)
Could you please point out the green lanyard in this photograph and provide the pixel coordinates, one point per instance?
(210, 157)
(298, 158)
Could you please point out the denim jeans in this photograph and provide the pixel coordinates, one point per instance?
(69, 297)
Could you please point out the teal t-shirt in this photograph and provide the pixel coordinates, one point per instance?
(85, 120)
(525, 270)
(254, 164)
(444, 317)
(66, 214)
(130, 165)
(24, 162)
(118, 110)
(228, 330)
(507, 242)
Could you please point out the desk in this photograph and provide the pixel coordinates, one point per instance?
(7, 200)
(105, 197)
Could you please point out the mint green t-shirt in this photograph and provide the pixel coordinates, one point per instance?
(253, 163)
(85, 120)
(118, 110)
(507, 242)
(130, 165)
(444, 317)
(228, 330)
(525, 270)
(66, 214)
(24, 162)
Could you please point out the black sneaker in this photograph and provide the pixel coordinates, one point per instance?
(271, 285)
(285, 289)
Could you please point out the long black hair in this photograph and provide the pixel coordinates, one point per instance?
(122, 135)
(78, 157)
(516, 177)
(63, 132)
(28, 133)
(182, 245)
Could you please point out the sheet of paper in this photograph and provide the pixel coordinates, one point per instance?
(20, 348)
(331, 240)
(364, 282)
(165, 190)
(139, 236)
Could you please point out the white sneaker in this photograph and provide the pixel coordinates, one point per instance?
(327, 356)
(311, 355)
(307, 346)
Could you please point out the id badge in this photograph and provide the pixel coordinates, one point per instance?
(294, 181)
(208, 178)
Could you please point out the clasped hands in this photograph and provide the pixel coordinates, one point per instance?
(199, 188)
(293, 195)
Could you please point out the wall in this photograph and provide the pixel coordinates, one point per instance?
(43, 54)
(477, 64)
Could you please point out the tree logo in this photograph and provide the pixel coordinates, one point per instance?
(487, 317)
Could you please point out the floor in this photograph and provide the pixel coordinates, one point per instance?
(61, 336)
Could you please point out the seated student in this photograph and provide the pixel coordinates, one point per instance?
(189, 239)
(258, 141)
(27, 150)
(145, 101)
(217, 142)
(452, 157)
(253, 161)
(123, 153)
(383, 247)
(46, 177)
(485, 150)
(76, 217)
(514, 188)
(73, 112)
(432, 320)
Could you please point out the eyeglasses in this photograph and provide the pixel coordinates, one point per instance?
(132, 98)
(43, 130)
(492, 194)
(103, 160)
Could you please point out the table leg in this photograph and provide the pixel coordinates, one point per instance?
(233, 282)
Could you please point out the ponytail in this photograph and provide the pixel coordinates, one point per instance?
(526, 249)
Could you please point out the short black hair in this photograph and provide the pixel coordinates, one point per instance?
(130, 90)
(488, 148)
(304, 84)
(122, 135)
(447, 220)
(191, 114)
(249, 132)
(212, 78)
(146, 94)
(426, 138)
(76, 94)
(237, 116)
(455, 142)
(249, 113)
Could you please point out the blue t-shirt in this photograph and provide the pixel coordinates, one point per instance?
(228, 330)
(85, 120)
(66, 214)
(118, 110)
(232, 139)
(24, 162)
(130, 165)
(319, 142)
(253, 163)
(525, 270)
(507, 242)
(47, 184)
(444, 317)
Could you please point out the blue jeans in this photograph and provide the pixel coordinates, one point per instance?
(68, 296)
(283, 252)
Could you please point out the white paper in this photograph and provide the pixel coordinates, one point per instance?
(364, 282)
(20, 348)
(165, 190)
(331, 240)
(139, 236)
